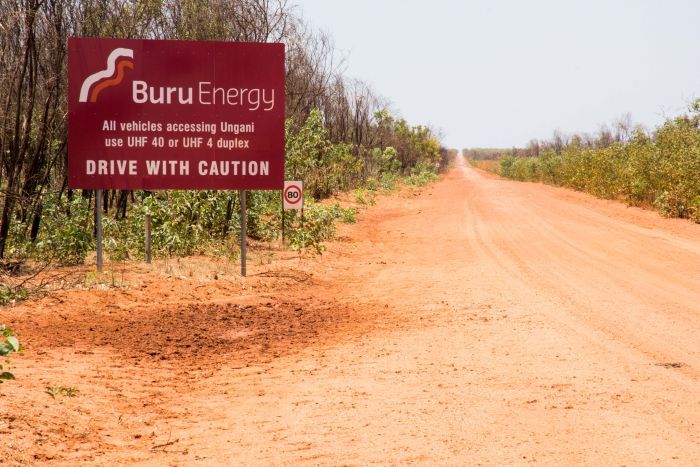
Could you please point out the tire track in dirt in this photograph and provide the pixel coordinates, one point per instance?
(554, 251)
(559, 281)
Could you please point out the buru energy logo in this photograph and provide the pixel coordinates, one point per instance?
(118, 61)
(200, 93)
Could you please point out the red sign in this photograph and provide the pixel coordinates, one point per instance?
(151, 114)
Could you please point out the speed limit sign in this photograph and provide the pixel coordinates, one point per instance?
(293, 195)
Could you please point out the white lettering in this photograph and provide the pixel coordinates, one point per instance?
(252, 99)
(152, 167)
(203, 92)
(142, 93)
(184, 100)
(271, 101)
(138, 92)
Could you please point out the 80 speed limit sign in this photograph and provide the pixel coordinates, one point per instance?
(293, 195)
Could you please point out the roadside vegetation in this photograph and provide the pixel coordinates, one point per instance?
(340, 136)
(659, 169)
(9, 344)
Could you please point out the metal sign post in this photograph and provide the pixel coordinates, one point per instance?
(98, 222)
(243, 231)
(282, 219)
(292, 198)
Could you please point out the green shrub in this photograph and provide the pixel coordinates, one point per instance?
(388, 181)
(8, 345)
(388, 162)
(365, 197)
(423, 173)
(66, 234)
(183, 222)
(324, 167)
(318, 225)
(9, 294)
(659, 169)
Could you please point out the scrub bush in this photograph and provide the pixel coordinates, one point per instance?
(423, 173)
(318, 225)
(8, 344)
(66, 234)
(660, 170)
(9, 294)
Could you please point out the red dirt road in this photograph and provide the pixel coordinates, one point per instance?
(482, 321)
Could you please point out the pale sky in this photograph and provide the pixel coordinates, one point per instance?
(498, 73)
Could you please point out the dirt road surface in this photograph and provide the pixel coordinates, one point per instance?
(481, 321)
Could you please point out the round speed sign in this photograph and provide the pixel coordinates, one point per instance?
(293, 195)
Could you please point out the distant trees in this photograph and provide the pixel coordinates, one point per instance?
(621, 132)
(481, 154)
(33, 56)
(660, 169)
